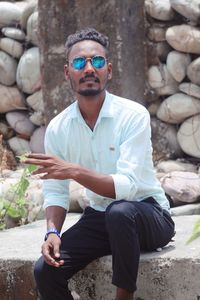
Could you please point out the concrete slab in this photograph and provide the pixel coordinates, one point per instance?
(172, 274)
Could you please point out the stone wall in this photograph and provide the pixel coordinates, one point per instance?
(174, 75)
(21, 106)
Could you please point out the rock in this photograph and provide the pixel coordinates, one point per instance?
(19, 146)
(190, 89)
(10, 14)
(156, 33)
(187, 8)
(6, 131)
(7, 159)
(159, 77)
(176, 108)
(11, 99)
(28, 71)
(14, 33)
(159, 9)
(37, 140)
(153, 108)
(20, 122)
(193, 71)
(169, 85)
(162, 50)
(77, 196)
(189, 136)
(37, 118)
(8, 68)
(156, 76)
(185, 210)
(184, 38)
(177, 64)
(12, 47)
(36, 101)
(76, 192)
(175, 165)
(164, 140)
(182, 186)
(32, 29)
(27, 11)
(35, 199)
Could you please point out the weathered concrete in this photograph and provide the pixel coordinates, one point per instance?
(172, 274)
(122, 21)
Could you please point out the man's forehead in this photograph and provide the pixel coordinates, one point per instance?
(86, 47)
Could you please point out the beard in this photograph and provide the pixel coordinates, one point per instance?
(88, 91)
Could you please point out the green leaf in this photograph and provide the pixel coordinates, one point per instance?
(195, 232)
(13, 212)
(31, 168)
(21, 201)
(22, 212)
(22, 186)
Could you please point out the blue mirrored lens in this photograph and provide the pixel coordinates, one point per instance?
(79, 63)
(98, 62)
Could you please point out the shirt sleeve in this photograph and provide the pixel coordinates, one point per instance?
(135, 149)
(56, 192)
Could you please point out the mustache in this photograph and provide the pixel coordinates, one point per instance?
(83, 79)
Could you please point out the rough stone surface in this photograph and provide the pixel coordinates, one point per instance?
(190, 89)
(124, 40)
(193, 71)
(160, 273)
(176, 108)
(164, 139)
(187, 8)
(177, 64)
(159, 9)
(189, 136)
(28, 71)
(184, 38)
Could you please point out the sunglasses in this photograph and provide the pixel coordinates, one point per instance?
(97, 62)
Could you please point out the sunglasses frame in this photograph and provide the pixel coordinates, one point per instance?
(86, 59)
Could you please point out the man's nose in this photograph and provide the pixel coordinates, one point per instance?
(89, 67)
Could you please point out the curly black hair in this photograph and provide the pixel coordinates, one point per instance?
(86, 34)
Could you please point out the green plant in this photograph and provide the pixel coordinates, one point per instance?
(16, 208)
(195, 232)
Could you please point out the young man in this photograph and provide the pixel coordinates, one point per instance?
(103, 142)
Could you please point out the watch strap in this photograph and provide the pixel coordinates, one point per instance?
(52, 230)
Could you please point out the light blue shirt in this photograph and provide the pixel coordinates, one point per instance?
(119, 146)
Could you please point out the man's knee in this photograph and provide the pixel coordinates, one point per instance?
(119, 214)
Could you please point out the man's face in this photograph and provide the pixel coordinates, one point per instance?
(89, 81)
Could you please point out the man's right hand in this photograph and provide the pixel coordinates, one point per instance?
(51, 251)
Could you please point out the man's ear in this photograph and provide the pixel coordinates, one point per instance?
(66, 71)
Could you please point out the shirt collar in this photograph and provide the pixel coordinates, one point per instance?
(105, 112)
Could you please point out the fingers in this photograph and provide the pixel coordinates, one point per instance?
(51, 252)
(38, 159)
(38, 156)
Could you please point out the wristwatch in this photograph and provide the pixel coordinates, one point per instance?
(51, 230)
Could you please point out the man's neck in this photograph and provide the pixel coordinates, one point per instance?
(90, 107)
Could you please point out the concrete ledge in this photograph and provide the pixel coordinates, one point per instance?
(172, 274)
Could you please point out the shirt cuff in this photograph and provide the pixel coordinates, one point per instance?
(122, 186)
(58, 202)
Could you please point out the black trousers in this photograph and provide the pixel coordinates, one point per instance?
(125, 228)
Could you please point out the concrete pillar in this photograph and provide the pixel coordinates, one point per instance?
(122, 21)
